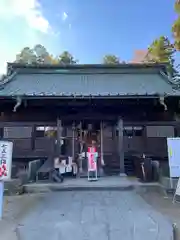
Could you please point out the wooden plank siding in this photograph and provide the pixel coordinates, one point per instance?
(151, 141)
(26, 143)
(34, 146)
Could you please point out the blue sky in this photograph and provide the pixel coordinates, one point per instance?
(87, 29)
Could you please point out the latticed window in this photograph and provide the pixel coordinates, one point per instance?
(17, 132)
(132, 131)
(46, 131)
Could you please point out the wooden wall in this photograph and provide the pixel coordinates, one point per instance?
(29, 142)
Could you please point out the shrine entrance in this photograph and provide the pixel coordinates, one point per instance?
(76, 136)
(88, 132)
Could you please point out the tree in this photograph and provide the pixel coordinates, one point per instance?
(176, 26)
(162, 51)
(111, 59)
(177, 6)
(36, 55)
(2, 77)
(42, 55)
(66, 58)
(26, 56)
(52, 60)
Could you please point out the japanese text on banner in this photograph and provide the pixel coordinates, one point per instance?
(3, 160)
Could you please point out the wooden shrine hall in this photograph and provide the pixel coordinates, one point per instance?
(127, 109)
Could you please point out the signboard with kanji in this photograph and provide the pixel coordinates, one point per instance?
(5, 160)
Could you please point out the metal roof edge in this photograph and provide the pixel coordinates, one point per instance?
(7, 79)
(73, 96)
(169, 80)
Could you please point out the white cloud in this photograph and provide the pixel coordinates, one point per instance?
(29, 10)
(64, 16)
(22, 24)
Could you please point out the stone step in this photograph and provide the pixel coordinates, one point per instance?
(82, 184)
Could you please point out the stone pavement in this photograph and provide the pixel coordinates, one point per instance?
(91, 215)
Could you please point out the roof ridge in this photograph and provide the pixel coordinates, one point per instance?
(86, 66)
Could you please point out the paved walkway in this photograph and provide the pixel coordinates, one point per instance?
(91, 215)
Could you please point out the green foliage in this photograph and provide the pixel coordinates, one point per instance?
(66, 58)
(27, 56)
(176, 26)
(162, 51)
(40, 55)
(176, 33)
(177, 6)
(111, 59)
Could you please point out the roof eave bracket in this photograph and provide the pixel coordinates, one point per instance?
(162, 102)
(18, 103)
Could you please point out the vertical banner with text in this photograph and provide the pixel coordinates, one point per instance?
(5, 160)
(5, 168)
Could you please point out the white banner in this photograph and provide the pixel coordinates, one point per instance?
(5, 160)
(173, 145)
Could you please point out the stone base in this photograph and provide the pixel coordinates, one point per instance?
(169, 183)
(123, 175)
(101, 172)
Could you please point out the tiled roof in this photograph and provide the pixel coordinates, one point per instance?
(78, 84)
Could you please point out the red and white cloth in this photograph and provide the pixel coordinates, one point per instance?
(92, 159)
(3, 170)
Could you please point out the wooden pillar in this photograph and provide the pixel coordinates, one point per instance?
(59, 135)
(73, 141)
(101, 142)
(33, 137)
(120, 147)
(114, 138)
(102, 163)
(80, 159)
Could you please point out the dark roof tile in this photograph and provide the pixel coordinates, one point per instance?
(88, 85)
